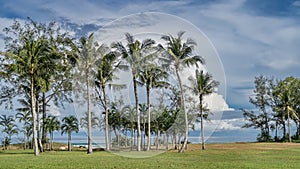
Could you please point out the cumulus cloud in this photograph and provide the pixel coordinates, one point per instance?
(250, 42)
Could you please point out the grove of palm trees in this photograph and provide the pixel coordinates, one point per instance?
(44, 66)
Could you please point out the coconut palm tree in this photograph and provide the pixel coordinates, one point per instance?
(24, 115)
(202, 85)
(152, 77)
(86, 62)
(107, 63)
(70, 124)
(179, 54)
(51, 124)
(10, 128)
(136, 54)
(284, 94)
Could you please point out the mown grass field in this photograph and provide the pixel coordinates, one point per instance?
(234, 155)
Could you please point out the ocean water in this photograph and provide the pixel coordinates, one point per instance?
(227, 129)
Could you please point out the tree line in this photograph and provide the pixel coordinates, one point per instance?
(43, 64)
(278, 104)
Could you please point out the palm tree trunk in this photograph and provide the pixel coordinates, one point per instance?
(289, 125)
(185, 113)
(51, 141)
(201, 121)
(39, 126)
(149, 119)
(33, 109)
(69, 142)
(44, 132)
(137, 114)
(132, 137)
(106, 118)
(90, 150)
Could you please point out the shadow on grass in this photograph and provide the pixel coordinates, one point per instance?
(14, 152)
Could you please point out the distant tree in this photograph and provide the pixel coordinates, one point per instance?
(10, 128)
(262, 101)
(84, 120)
(51, 124)
(70, 124)
(24, 115)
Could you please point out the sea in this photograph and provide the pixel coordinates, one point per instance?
(227, 129)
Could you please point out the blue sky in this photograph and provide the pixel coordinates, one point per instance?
(252, 37)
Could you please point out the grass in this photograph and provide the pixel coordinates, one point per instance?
(233, 155)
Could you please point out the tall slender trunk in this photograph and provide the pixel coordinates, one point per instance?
(289, 125)
(106, 117)
(39, 126)
(25, 141)
(283, 127)
(137, 113)
(44, 107)
(167, 140)
(51, 141)
(132, 137)
(185, 113)
(149, 119)
(33, 109)
(89, 150)
(69, 142)
(201, 122)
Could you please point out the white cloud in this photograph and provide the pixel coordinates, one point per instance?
(296, 3)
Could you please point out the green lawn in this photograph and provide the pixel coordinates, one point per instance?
(239, 155)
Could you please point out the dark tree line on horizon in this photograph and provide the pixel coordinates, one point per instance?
(43, 64)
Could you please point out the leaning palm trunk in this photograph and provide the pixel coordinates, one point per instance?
(185, 113)
(33, 109)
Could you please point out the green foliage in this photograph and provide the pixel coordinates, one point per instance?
(278, 104)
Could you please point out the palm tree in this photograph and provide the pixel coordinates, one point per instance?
(136, 56)
(285, 96)
(51, 124)
(107, 64)
(10, 128)
(84, 120)
(24, 115)
(203, 85)
(178, 55)
(86, 61)
(69, 125)
(152, 77)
